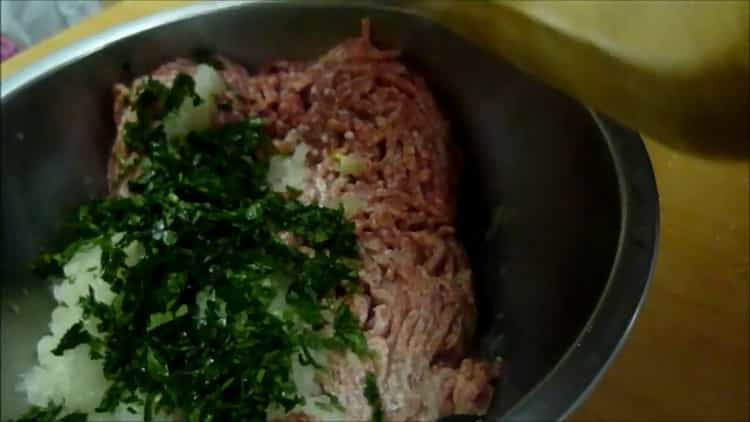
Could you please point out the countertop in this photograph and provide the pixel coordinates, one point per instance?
(687, 358)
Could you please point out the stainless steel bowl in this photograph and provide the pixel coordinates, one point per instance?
(559, 283)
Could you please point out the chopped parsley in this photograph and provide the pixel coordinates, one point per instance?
(372, 394)
(192, 329)
(73, 337)
(51, 413)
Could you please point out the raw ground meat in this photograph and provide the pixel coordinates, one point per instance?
(417, 307)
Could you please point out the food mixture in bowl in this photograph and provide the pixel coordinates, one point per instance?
(275, 246)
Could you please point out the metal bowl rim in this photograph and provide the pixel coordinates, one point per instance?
(555, 397)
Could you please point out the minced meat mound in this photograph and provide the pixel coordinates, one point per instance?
(375, 141)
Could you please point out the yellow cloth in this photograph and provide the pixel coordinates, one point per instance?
(675, 70)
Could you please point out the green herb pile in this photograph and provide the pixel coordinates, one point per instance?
(209, 227)
(372, 394)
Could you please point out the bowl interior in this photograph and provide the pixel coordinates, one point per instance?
(539, 208)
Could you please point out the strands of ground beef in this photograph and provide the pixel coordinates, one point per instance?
(417, 307)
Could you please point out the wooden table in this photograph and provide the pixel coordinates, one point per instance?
(687, 357)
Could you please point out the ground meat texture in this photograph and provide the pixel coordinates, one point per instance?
(417, 302)
(118, 174)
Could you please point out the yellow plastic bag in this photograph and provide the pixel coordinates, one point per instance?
(676, 70)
